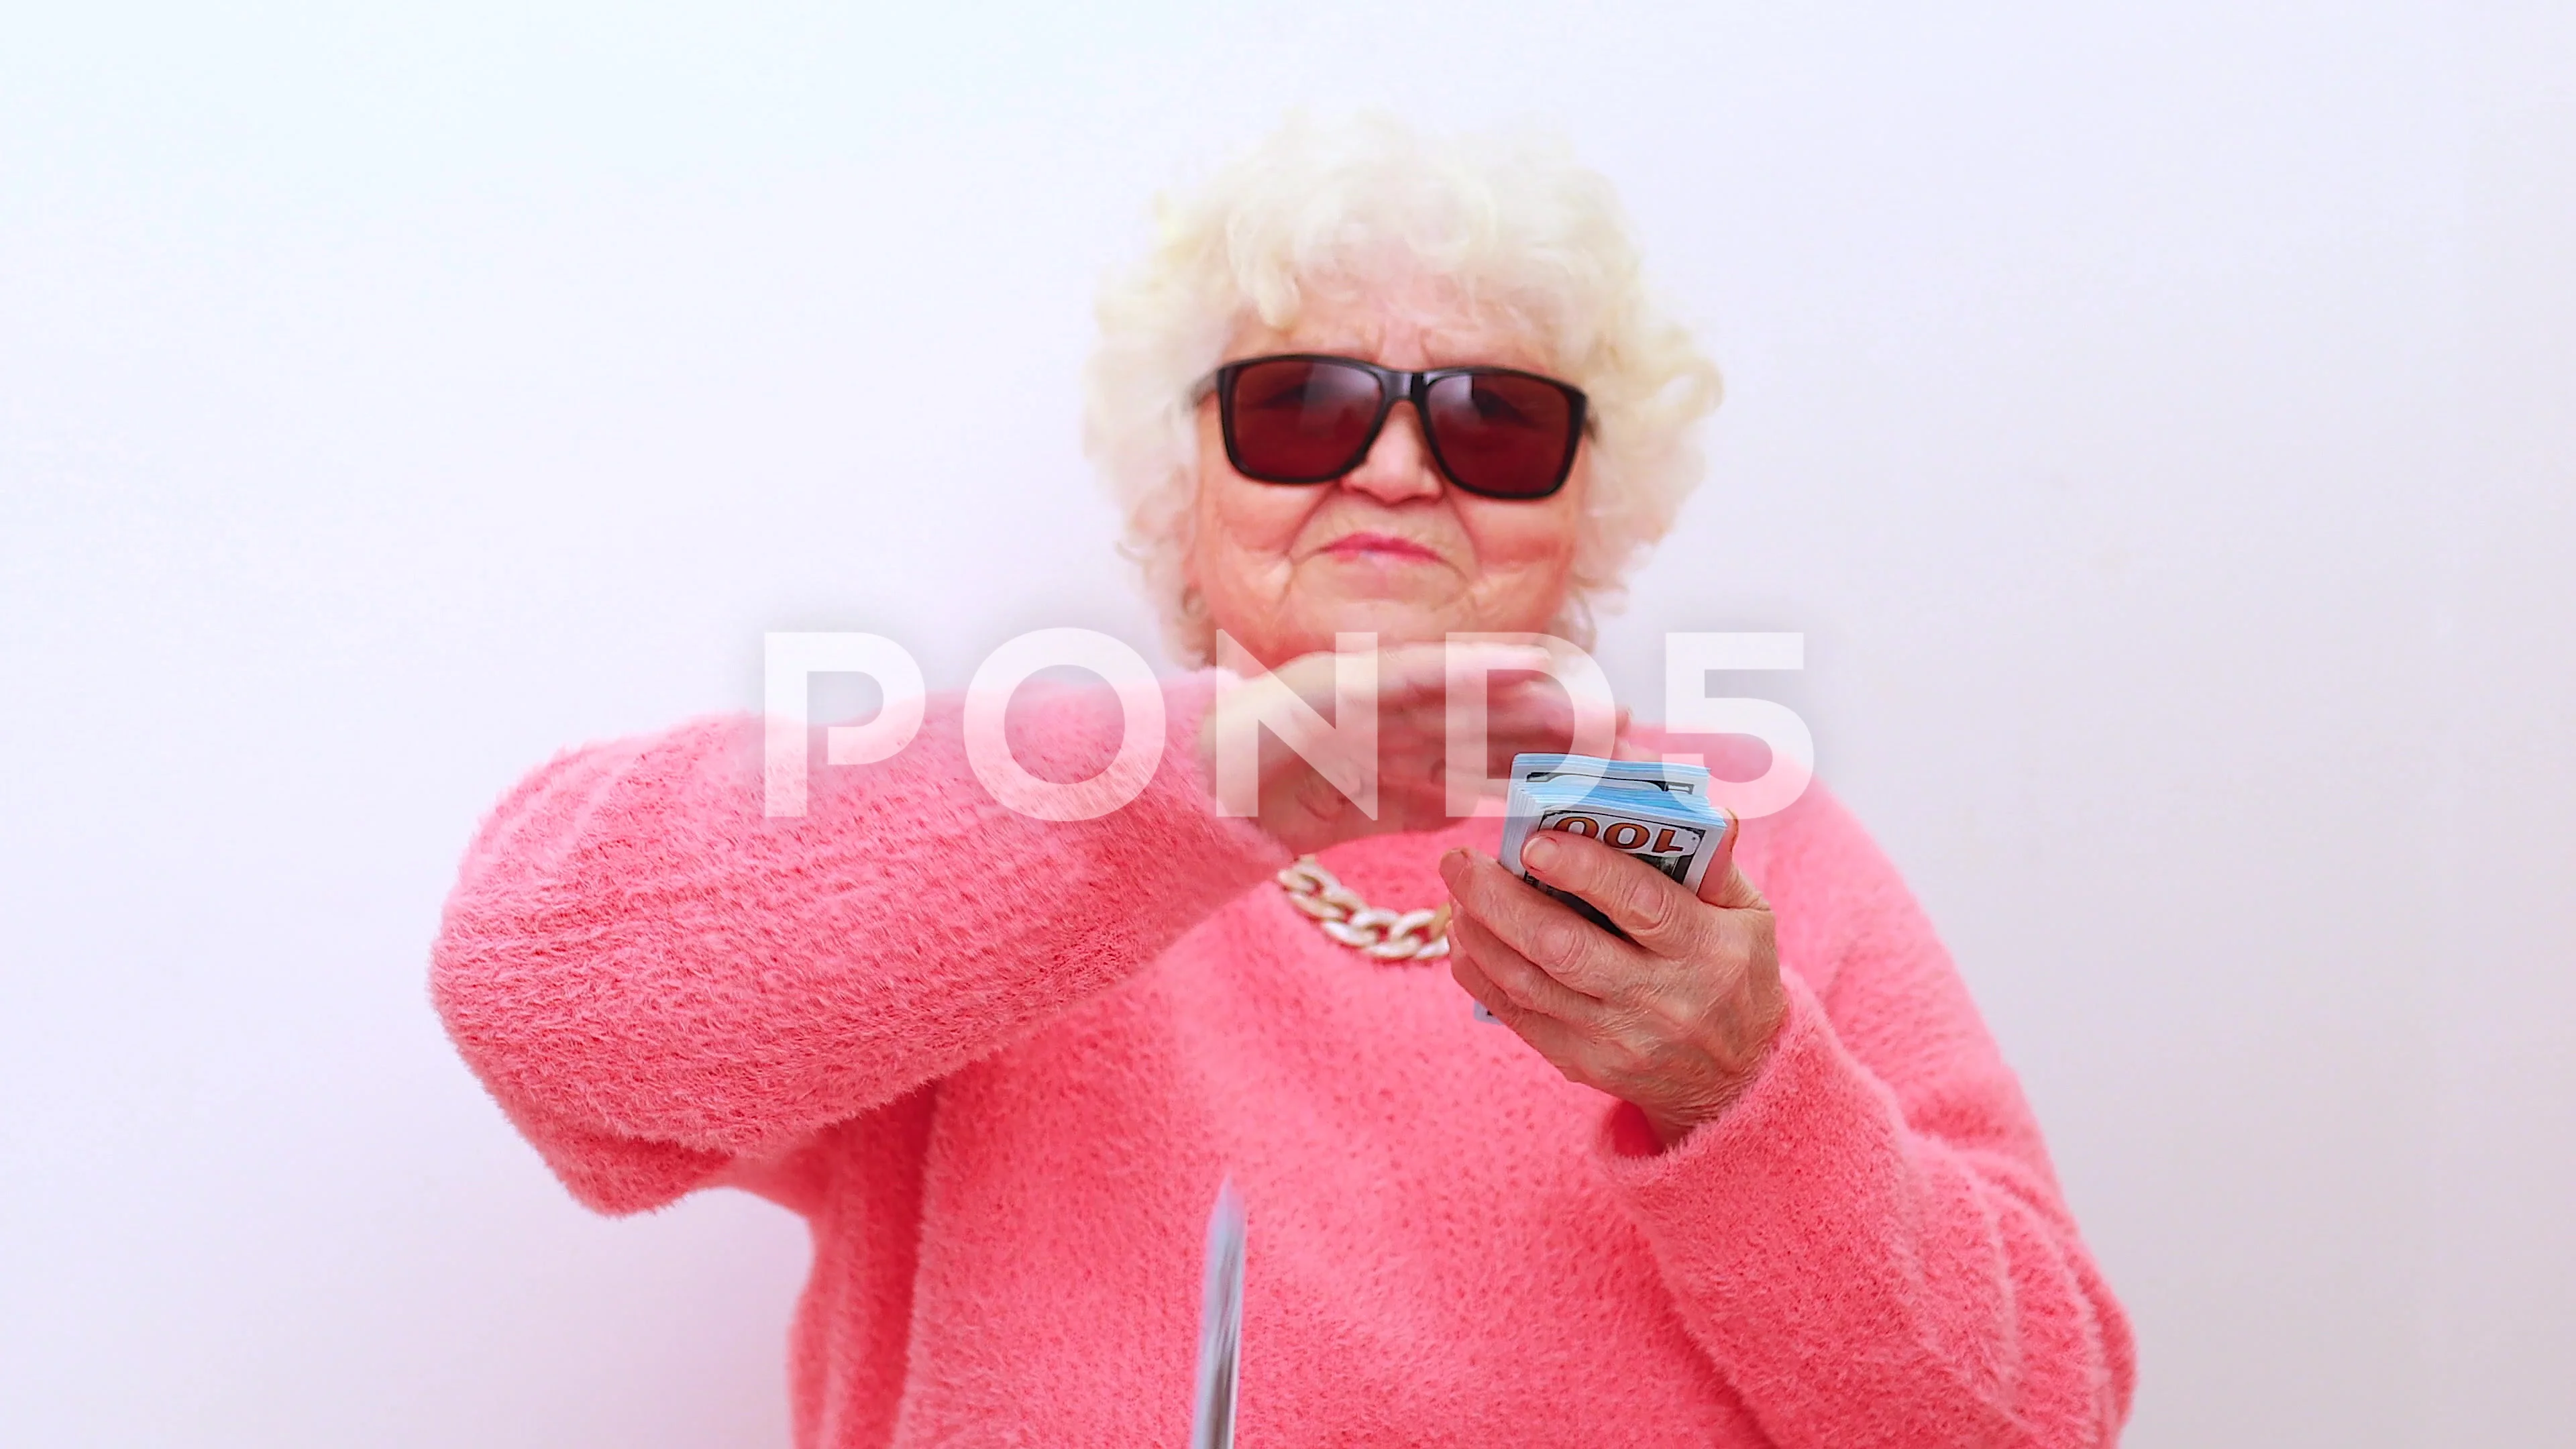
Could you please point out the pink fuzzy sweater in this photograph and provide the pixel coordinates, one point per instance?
(1001, 1065)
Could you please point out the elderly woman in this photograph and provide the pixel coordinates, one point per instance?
(1748, 1172)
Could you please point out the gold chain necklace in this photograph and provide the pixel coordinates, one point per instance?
(1373, 931)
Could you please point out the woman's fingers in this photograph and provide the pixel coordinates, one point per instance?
(1506, 679)
(1410, 670)
(1675, 1021)
(1419, 683)
(1405, 676)
(1412, 692)
(1548, 934)
(1656, 911)
(1725, 886)
(1516, 977)
(1565, 1046)
(1519, 721)
(1413, 749)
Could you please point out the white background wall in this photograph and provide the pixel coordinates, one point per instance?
(2160, 417)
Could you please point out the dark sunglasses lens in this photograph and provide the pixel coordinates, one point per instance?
(1503, 434)
(1297, 421)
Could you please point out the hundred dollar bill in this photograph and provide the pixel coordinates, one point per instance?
(1677, 832)
(1220, 1325)
(1672, 776)
(1655, 811)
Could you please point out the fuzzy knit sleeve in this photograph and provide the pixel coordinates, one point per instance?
(1870, 1244)
(664, 987)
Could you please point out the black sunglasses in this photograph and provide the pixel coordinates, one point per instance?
(1496, 432)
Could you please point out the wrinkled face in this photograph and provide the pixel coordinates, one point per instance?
(1391, 547)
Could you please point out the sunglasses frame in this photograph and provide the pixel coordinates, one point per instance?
(1395, 385)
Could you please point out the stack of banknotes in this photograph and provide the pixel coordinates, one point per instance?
(1654, 810)
(1657, 811)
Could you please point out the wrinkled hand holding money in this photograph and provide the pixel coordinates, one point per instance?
(1616, 936)
(1649, 809)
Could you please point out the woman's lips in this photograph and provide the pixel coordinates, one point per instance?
(1379, 546)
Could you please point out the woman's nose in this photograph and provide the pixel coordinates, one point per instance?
(1398, 465)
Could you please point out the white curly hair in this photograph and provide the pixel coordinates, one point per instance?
(1512, 219)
